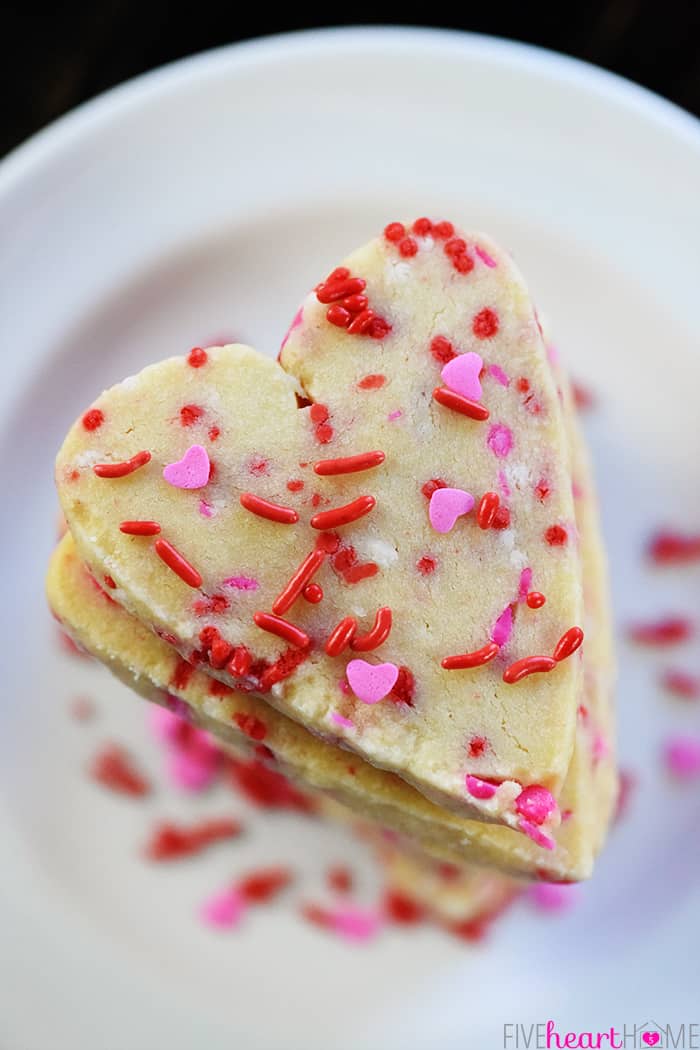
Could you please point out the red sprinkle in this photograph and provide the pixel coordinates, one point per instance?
(663, 632)
(556, 535)
(93, 419)
(120, 470)
(422, 227)
(442, 350)
(295, 485)
(170, 842)
(372, 382)
(179, 565)
(402, 909)
(333, 291)
(426, 565)
(474, 659)
(313, 593)
(431, 486)
(266, 509)
(140, 528)
(477, 746)
(253, 727)
(282, 628)
(349, 512)
(485, 324)
(182, 674)
(486, 511)
(527, 666)
(190, 414)
(339, 878)
(113, 768)
(458, 403)
(408, 247)
(681, 684)
(394, 231)
(535, 600)
(443, 230)
(380, 631)
(240, 663)
(674, 548)
(341, 636)
(262, 885)
(349, 464)
(569, 642)
(310, 565)
(405, 687)
(197, 357)
(501, 519)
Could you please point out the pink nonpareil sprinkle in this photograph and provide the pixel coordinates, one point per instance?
(682, 757)
(342, 721)
(535, 804)
(223, 910)
(503, 627)
(485, 257)
(552, 897)
(396, 414)
(525, 584)
(206, 509)
(356, 924)
(503, 484)
(536, 834)
(499, 375)
(241, 583)
(479, 788)
(500, 440)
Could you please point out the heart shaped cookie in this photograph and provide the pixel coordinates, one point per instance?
(312, 542)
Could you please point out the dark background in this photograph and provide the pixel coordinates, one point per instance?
(51, 62)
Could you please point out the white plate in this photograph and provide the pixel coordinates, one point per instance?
(206, 198)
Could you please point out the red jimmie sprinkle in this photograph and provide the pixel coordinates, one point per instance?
(334, 291)
(240, 663)
(139, 528)
(486, 511)
(253, 727)
(475, 659)
(527, 666)
(310, 565)
(261, 886)
(349, 464)
(313, 593)
(674, 548)
(380, 631)
(93, 419)
(458, 403)
(113, 768)
(535, 600)
(264, 508)
(662, 632)
(120, 470)
(372, 382)
(331, 519)
(179, 565)
(341, 636)
(282, 628)
(569, 642)
(170, 842)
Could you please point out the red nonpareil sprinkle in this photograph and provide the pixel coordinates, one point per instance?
(380, 631)
(431, 486)
(407, 247)
(422, 227)
(121, 470)
(372, 382)
(349, 464)
(172, 842)
(313, 593)
(455, 246)
(535, 600)
(263, 885)
(426, 565)
(523, 385)
(674, 548)
(310, 565)
(443, 230)
(282, 629)
(486, 510)
(182, 674)
(485, 323)
(190, 414)
(349, 512)
(394, 231)
(442, 350)
(402, 909)
(341, 636)
(527, 666)
(197, 357)
(463, 263)
(464, 405)
(404, 689)
(220, 653)
(339, 878)
(569, 642)
(295, 485)
(253, 727)
(681, 684)
(93, 419)
(214, 433)
(477, 658)
(113, 768)
(662, 632)
(139, 528)
(477, 746)
(267, 509)
(556, 536)
(179, 565)
(583, 398)
(501, 519)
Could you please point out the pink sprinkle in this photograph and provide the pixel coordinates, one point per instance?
(500, 440)
(485, 257)
(499, 375)
(479, 788)
(503, 484)
(552, 896)
(356, 924)
(503, 627)
(342, 721)
(223, 910)
(600, 747)
(241, 583)
(396, 414)
(576, 490)
(536, 834)
(552, 353)
(682, 757)
(344, 687)
(206, 509)
(164, 724)
(295, 324)
(525, 584)
(535, 804)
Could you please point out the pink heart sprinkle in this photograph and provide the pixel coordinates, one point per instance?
(461, 374)
(446, 505)
(479, 788)
(371, 682)
(190, 472)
